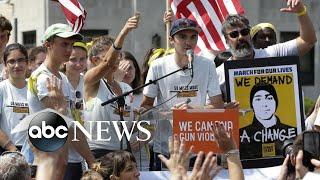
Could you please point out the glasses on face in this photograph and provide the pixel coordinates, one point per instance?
(243, 32)
(14, 61)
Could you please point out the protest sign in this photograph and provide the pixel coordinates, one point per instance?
(194, 127)
(269, 92)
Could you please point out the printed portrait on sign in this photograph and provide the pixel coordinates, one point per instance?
(270, 104)
(265, 135)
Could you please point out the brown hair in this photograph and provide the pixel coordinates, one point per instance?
(136, 81)
(35, 51)
(99, 44)
(91, 175)
(5, 24)
(112, 163)
(234, 21)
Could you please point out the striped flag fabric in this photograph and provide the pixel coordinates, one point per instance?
(209, 15)
(74, 12)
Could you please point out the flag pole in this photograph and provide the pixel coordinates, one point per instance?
(133, 33)
(168, 24)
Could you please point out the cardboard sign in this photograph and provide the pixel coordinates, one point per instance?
(194, 126)
(269, 89)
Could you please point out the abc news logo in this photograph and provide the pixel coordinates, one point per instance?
(48, 131)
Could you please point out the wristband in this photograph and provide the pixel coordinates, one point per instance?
(116, 48)
(233, 151)
(302, 13)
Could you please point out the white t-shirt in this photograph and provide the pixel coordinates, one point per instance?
(14, 107)
(80, 90)
(39, 80)
(204, 81)
(203, 84)
(79, 86)
(93, 111)
(2, 72)
(288, 48)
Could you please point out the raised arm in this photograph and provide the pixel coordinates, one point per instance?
(307, 37)
(228, 147)
(109, 60)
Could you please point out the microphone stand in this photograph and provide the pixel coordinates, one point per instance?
(121, 102)
(140, 87)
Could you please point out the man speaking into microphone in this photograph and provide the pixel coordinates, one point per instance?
(198, 82)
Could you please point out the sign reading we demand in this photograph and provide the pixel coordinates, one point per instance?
(195, 127)
(270, 91)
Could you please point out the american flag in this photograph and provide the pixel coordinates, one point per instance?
(209, 15)
(74, 12)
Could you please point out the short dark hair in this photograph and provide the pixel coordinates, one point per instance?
(14, 46)
(35, 51)
(266, 87)
(5, 24)
(136, 81)
(99, 45)
(234, 21)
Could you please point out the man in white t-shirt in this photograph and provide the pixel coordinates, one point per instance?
(236, 30)
(59, 40)
(181, 86)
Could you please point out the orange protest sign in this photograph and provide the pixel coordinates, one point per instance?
(194, 126)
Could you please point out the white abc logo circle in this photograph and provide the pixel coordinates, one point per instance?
(48, 131)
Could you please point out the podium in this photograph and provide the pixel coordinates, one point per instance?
(160, 123)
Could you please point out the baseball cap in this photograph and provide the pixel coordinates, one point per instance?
(183, 24)
(61, 30)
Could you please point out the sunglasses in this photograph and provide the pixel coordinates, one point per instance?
(243, 32)
(78, 103)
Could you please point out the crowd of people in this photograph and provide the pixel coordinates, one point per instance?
(74, 79)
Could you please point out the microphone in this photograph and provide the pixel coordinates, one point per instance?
(190, 55)
(182, 103)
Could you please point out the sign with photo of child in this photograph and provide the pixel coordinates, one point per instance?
(269, 94)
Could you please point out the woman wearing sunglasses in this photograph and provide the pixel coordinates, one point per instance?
(13, 96)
